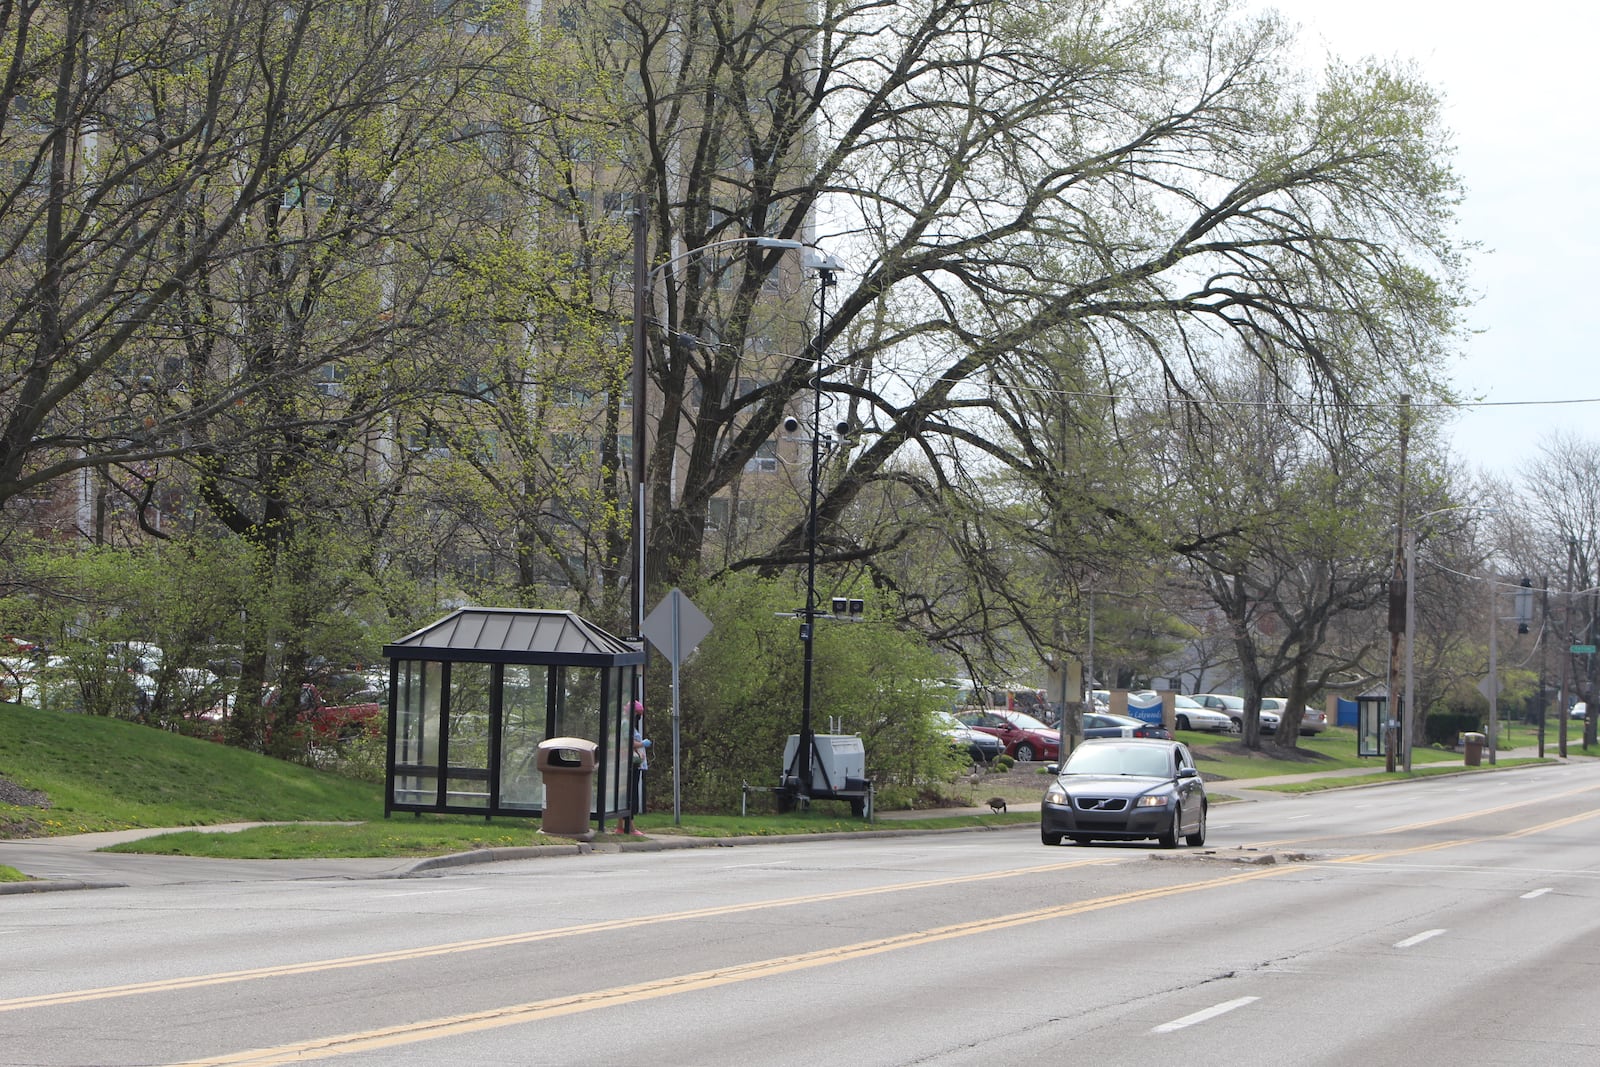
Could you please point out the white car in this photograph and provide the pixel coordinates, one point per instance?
(1189, 714)
(1312, 721)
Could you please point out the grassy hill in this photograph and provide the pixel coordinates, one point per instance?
(81, 774)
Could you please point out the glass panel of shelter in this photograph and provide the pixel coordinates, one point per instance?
(419, 688)
(523, 700)
(467, 735)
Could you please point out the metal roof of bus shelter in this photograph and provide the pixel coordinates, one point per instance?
(516, 635)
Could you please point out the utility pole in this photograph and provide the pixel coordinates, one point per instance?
(1397, 601)
(1565, 650)
(1544, 642)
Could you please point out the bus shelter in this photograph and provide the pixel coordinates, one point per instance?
(472, 695)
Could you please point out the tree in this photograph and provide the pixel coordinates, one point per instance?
(999, 177)
(1558, 536)
(1285, 535)
(177, 165)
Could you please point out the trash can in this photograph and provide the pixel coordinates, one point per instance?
(567, 764)
(1472, 746)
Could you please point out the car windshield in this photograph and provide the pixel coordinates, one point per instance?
(1186, 703)
(1144, 761)
(1025, 722)
(948, 721)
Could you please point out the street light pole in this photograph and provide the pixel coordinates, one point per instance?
(805, 749)
(641, 285)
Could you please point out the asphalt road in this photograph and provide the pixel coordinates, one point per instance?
(1449, 921)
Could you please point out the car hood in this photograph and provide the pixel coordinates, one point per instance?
(1112, 785)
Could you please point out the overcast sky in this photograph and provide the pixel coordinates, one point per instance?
(1518, 83)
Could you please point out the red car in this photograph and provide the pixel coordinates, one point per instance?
(1025, 738)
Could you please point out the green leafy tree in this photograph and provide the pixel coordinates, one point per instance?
(741, 696)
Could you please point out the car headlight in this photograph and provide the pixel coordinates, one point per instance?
(1055, 795)
(1151, 800)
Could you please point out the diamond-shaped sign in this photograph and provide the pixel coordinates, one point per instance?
(676, 627)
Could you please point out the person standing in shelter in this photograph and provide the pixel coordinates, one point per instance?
(641, 764)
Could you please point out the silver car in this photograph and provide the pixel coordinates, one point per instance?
(1233, 708)
(1189, 714)
(1312, 721)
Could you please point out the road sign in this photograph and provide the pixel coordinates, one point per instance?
(1581, 648)
(1483, 687)
(676, 626)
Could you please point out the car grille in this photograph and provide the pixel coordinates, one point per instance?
(1101, 803)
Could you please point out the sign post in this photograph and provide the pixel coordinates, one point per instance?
(676, 627)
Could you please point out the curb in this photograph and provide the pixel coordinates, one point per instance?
(670, 843)
(434, 864)
(44, 886)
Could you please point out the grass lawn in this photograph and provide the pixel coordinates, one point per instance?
(106, 774)
(1335, 749)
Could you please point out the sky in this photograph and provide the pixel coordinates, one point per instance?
(1518, 88)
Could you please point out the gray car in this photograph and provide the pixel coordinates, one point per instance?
(1126, 789)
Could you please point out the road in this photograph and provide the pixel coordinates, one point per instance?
(1450, 921)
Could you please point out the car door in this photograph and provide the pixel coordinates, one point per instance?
(1191, 791)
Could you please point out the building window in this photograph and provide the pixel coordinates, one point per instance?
(765, 461)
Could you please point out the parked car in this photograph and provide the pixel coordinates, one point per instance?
(1233, 707)
(1123, 790)
(333, 722)
(1580, 710)
(1025, 738)
(1189, 714)
(976, 745)
(971, 697)
(1312, 721)
(1103, 724)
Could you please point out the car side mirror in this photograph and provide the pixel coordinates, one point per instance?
(1052, 768)
(1188, 772)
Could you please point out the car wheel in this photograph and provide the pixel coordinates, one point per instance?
(1198, 838)
(1050, 838)
(1237, 727)
(1025, 753)
(1182, 722)
(1169, 837)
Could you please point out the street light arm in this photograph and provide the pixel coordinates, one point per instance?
(760, 242)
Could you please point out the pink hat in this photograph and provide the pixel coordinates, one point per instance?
(638, 708)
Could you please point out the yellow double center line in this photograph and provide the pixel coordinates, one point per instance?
(167, 985)
(517, 1014)
(531, 1011)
